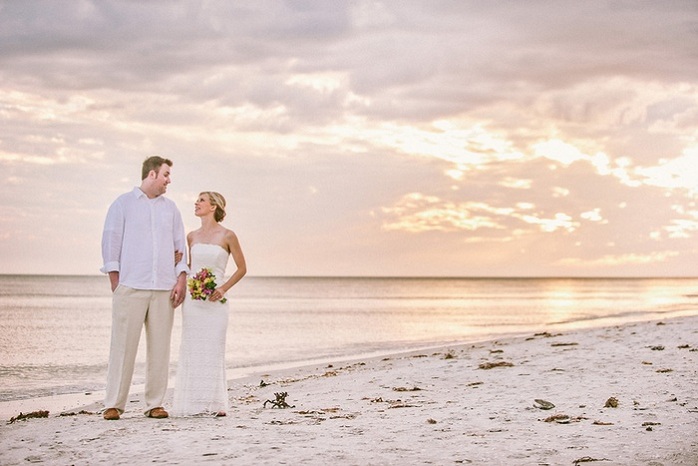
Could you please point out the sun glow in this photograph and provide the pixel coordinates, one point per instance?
(617, 260)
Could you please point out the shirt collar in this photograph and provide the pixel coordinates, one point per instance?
(139, 194)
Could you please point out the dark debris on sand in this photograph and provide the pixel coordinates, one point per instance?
(492, 365)
(33, 414)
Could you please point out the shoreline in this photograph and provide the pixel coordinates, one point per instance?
(466, 403)
(61, 402)
(67, 402)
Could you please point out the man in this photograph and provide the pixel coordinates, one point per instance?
(142, 233)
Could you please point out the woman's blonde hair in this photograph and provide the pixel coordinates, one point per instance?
(218, 200)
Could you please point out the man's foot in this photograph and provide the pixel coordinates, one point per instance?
(221, 414)
(158, 413)
(111, 414)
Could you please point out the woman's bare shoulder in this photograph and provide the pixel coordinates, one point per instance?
(230, 237)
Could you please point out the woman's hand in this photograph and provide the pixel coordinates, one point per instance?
(178, 256)
(218, 295)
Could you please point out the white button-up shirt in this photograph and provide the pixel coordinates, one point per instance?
(139, 241)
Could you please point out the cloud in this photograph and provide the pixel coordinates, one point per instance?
(416, 213)
(545, 133)
(676, 173)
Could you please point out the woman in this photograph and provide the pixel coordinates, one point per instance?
(201, 386)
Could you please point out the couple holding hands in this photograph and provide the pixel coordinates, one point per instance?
(143, 246)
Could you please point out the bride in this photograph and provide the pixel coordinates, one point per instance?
(200, 385)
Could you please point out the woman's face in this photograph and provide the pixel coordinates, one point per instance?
(203, 206)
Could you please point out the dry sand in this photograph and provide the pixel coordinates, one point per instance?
(430, 407)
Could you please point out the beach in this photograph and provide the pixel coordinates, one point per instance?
(622, 395)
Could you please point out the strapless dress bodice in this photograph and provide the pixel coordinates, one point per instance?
(211, 256)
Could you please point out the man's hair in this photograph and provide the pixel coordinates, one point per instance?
(153, 163)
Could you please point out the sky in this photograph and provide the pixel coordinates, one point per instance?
(361, 138)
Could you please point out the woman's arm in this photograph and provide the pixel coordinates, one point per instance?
(233, 245)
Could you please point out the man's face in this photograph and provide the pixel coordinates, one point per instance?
(162, 179)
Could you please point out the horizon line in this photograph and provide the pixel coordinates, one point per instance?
(471, 277)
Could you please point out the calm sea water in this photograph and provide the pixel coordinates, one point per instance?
(54, 330)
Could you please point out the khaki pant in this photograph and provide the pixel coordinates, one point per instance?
(131, 309)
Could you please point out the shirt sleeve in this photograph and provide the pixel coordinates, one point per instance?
(180, 243)
(112, 239)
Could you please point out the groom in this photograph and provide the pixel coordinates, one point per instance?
(142, 232)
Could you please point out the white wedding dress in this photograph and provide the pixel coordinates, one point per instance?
(200, 384)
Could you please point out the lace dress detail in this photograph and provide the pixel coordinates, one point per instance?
(200, 385)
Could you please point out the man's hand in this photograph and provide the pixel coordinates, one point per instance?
(114, 280)
(177, 293)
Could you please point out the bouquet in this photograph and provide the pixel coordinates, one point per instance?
(202, 285)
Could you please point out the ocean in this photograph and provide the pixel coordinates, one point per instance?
(55, 330)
